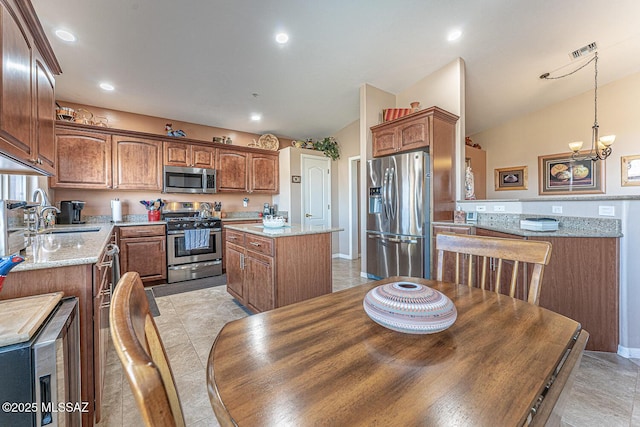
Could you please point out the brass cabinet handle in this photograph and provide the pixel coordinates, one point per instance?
(254, 243)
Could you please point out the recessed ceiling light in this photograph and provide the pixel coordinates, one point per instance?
(282, 38)
(454, 35)
(256, 117)
(65, 35)
(106, 86)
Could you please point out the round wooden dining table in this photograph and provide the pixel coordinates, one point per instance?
(324, 362)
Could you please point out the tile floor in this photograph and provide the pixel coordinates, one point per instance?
(606, 390)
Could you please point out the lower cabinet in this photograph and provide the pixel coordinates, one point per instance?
(266, 273)
(224, 236)
(143, 248)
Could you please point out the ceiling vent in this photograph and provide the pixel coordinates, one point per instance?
(585, 50)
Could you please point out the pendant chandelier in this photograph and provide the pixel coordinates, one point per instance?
(600, 146)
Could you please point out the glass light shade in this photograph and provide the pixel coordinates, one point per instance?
(575, 146)
(607, 140)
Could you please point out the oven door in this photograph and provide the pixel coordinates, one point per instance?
(177, 254)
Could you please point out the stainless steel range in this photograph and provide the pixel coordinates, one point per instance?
(194, 241)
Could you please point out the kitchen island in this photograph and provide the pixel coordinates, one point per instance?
(273, 267)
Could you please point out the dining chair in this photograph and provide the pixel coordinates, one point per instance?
(482, 258)
(140, 349)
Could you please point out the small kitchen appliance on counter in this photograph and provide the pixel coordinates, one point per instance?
(70, 212)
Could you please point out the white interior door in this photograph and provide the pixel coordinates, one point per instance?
(316, 190)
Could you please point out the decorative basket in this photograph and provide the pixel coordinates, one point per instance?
(410, 308)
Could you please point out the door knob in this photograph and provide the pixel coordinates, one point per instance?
(308, 215)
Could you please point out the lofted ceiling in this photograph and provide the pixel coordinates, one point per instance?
(203, 61)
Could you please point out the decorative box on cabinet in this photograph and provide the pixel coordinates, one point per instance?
(27, 101)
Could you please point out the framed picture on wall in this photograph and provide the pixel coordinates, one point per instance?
(561, 174)
(630, 170)
(514, 178)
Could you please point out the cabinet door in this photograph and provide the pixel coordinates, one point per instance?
(449, 261)
(235, 274)
(259, 280)
(45, 116)
(177, 154)
(203, 157)
(137, 164)
(146, 255)
(384, 142)
(264, 175)
(413, 134)
(232, 169)
(83, 160)
(16, 112)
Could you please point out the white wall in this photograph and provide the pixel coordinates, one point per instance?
(548, 131)
(349, 140)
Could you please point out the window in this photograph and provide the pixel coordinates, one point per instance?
(17, 187)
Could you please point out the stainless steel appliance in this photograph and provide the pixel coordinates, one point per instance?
(398, 216)
(185, 222)
(70, 212)
(189, 180)
(13, 227)
(41, 376)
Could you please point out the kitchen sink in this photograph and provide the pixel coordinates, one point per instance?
(71, 230)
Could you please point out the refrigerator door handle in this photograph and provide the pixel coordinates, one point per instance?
(393, 193)
(385, 198)
(394, 239)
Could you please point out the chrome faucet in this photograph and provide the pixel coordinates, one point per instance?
(42, 208)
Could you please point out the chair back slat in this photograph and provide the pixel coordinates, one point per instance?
(516, 251)
(142, 354)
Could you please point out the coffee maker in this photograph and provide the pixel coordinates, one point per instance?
(70, 212)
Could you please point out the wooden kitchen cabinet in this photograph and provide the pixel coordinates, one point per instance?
(27, 101)
(189, 155)
(137, 163)
(477, 159)
(83, 159)
(143, 249)
(240, 171)
(266, 273)
(224, 236)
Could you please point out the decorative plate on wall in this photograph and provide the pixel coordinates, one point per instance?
(269, 142)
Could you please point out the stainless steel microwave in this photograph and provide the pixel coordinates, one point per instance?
(189, 180)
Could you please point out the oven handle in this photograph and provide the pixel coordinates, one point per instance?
(181, 232)
(194, 265)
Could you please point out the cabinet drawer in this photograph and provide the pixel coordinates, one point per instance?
(235, 237)
(142, 231)
(259, 244)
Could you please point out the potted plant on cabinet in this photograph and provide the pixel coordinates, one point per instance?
(329, 146)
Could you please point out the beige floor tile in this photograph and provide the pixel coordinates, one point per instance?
(184, 360)
(192, 389)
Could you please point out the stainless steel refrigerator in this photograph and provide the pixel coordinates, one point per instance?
(398, 216)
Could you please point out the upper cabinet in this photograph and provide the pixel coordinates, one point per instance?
(409, 133)
(189, 155)
(27, 101)
(240, 171)
(83, 159)
(91, 159)
(137, 163)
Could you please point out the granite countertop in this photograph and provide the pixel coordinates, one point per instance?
(286, 231)
(568, 226)
(82, 246)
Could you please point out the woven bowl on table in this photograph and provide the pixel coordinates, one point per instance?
(410, 308)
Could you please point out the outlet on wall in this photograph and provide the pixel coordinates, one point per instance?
(481, 208)
(498, 208)
(607, 210)
(556, 209)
